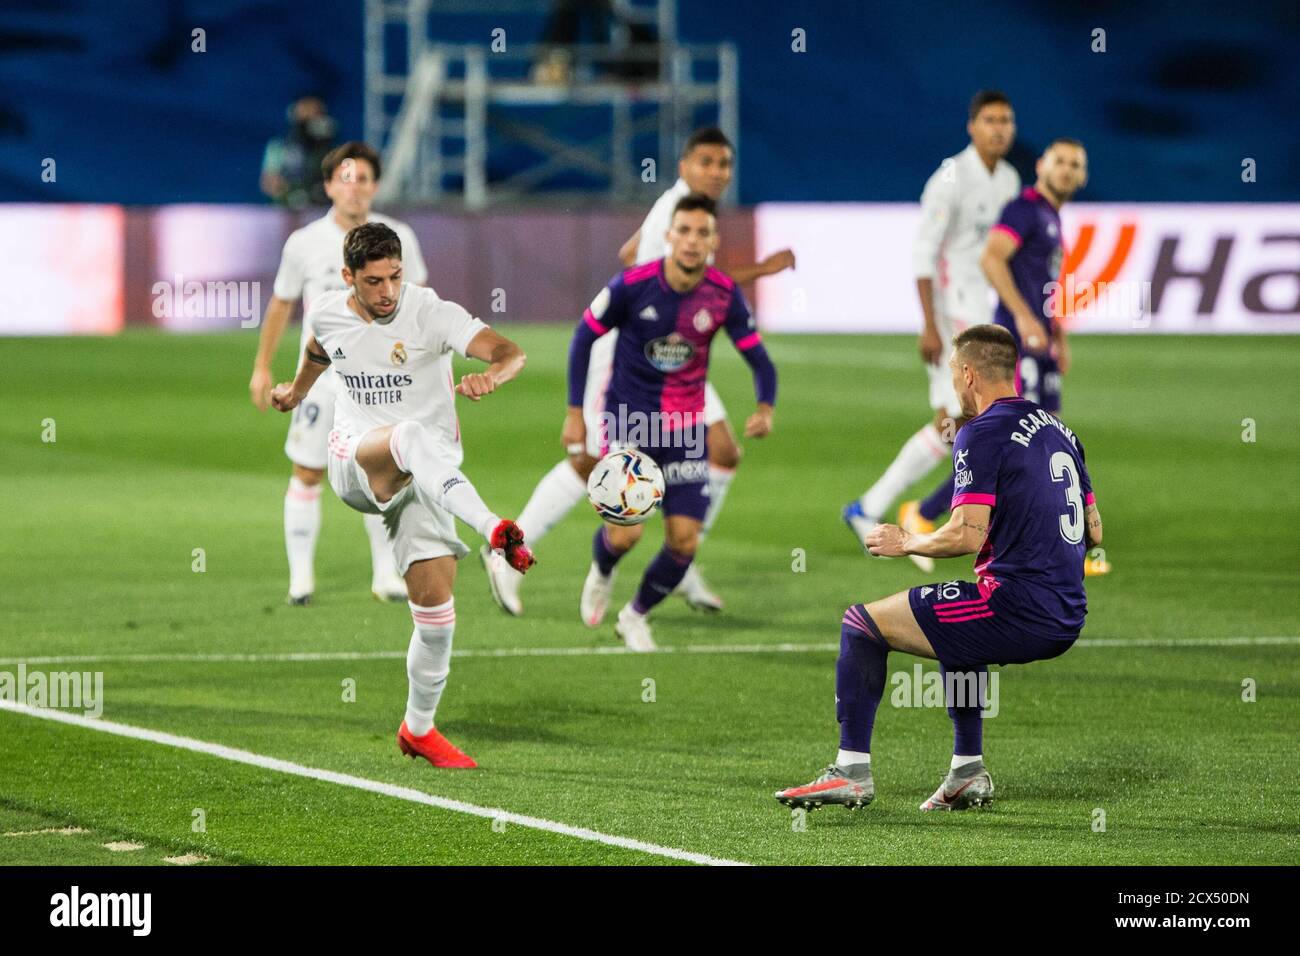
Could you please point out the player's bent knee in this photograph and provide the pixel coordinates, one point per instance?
(309, 476)
(622, 537)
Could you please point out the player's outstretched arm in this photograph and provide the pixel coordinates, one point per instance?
(1092, 519)
(277, 316)
(963, 534)
(770, 266)
(995, 263)
(286, 396)
(505, 358)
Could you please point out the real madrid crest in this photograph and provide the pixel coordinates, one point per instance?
(398, 357)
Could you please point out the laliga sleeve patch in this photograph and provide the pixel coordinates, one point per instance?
(600, 304)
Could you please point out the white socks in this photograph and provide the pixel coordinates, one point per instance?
(428, 661)
(553, 498)
(918, 455)
(961, 761)
(301, 529)
(719, 482)
(437, 482)
(847, 758)
(383, 568)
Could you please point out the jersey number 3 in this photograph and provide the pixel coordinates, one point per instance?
(1063, 469)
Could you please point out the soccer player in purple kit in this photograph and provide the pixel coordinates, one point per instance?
(1024, 505)
(667, 312)
(1022, 261)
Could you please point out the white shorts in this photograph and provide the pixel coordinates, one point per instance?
(599, 371)
(310, 424)
(416, 532)
(942, 395)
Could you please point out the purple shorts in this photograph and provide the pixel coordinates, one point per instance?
(686, 478)
(1038, 379)
(969, 625)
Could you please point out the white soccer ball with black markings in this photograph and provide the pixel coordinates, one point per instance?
(626, 487)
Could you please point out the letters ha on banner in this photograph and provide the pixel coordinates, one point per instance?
(1220, 268)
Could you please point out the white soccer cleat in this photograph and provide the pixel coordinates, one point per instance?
(503, 581)
(595, 596)
(634, 628)
(388, 590)
(697, 593)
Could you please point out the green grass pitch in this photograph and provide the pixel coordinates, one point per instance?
(158, 452)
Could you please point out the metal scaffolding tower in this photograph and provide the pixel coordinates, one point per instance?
(431, 107)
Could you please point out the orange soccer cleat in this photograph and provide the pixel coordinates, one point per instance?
(435, 748)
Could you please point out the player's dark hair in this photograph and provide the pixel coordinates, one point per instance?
(350, 150)
(708, 136)
(693, 201)
(986, 98)
(369, 242)
(991, 349)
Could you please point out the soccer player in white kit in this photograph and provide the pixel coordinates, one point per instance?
(960, 203)
(311, 264)
(395, 449)
(705, 167)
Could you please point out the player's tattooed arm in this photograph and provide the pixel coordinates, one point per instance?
(315, 360)
(1092, 517)
(963, 534)
(505, 358)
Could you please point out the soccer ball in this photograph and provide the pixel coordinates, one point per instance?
(626, 487)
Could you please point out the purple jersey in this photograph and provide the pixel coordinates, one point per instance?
(1035, 225)
(662, 355)
(1029, 468)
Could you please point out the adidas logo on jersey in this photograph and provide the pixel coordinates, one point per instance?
(926, 592)
(337, 354)
(649, 313)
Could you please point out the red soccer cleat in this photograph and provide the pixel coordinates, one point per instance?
(507, 538)
(435, 748)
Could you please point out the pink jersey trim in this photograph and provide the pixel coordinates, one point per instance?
(1090, 499)
(642, 272)
(973, 498)
(968, 617)
(1029, 192)
(593, 323)
(749, 341)
(719, 277)
(1002, 227)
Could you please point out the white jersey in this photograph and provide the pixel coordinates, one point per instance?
(653, 245)
(312, 262)
(961, 202)
(399, 370)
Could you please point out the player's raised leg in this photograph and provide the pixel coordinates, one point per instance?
(394, 455)
(428, 662)
(919, 454)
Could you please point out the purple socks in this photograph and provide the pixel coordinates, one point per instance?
(661, 578)
(859, 678)
(939, 501)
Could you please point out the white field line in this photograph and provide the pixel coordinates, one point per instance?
(359, 783)
(592, 651)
